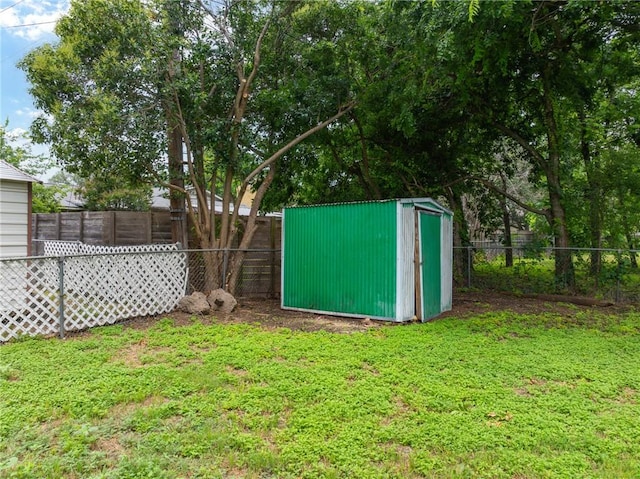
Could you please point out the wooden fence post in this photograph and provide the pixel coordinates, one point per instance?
(81, 228)
(272, 245)
(58, 225)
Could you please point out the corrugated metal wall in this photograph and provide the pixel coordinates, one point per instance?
(446, 256)
(341, 258)
(405, 287)
(430, 228)
(359, 258)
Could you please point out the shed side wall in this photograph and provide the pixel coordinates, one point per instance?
(341, 259)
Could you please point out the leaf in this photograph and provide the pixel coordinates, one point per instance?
(474, 8)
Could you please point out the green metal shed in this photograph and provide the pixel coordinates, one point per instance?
(389, 259)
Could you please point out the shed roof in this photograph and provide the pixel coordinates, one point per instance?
(429, 201)
(420, 201)
(11, 173)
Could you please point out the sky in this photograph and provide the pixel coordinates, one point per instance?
(24, 25)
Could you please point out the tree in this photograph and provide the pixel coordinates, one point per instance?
(252, 85)
(130, 79)
(45, 199)
(524, 67)
(99, 86)
(436, 94)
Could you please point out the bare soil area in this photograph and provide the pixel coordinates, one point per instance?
(267, 313)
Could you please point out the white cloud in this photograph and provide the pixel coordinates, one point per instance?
(16, 135)
(37, 16)
(28, 112)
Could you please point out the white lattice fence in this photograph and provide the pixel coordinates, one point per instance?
(99, 289)
(62, 248)
(28, 299)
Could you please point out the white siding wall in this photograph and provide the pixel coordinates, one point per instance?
(14, 217)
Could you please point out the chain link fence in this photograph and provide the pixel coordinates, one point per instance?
(78, 286)
(259, 274)
(606, 274)
(56, 294)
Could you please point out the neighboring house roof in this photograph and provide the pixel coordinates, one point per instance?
(160, 201)
(11, 173)
(72, 202)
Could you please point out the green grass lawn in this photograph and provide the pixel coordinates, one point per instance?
(497, 395)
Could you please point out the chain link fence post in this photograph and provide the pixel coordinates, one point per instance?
(225, 265)
(469, 259)
(618, 275)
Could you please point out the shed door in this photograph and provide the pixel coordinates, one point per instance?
(429, 247)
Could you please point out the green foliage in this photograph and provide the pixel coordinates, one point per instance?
(450, 97)
(107, 194)
(495, 395)
(617, 279)
(99, 87)
(45, 199)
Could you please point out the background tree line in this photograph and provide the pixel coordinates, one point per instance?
(526, 109)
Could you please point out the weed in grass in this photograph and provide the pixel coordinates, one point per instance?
(8, 373)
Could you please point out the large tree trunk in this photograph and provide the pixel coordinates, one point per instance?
(371, 186)
(564, 272)
(594, 193)
(176, 179)
(631, 243)
(506, 220)
(235, 266)
(214, 267)
(179, 230)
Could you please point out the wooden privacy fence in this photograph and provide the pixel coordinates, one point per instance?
(124, 228)
(110, 228)
(261, 267)
(69, 293)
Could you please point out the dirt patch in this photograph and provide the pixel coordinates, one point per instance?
(472, 303)
(266, 313)
(110, 446)
(134, 354)
(124, 409)
(131, 355)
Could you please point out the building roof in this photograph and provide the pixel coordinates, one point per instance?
(11, 173)
(160, 201)
(72, 201)
(420, 202)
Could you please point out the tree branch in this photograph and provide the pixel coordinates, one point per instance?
(297, 140)
(202, 197)
(514, 135)
(496, 189)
